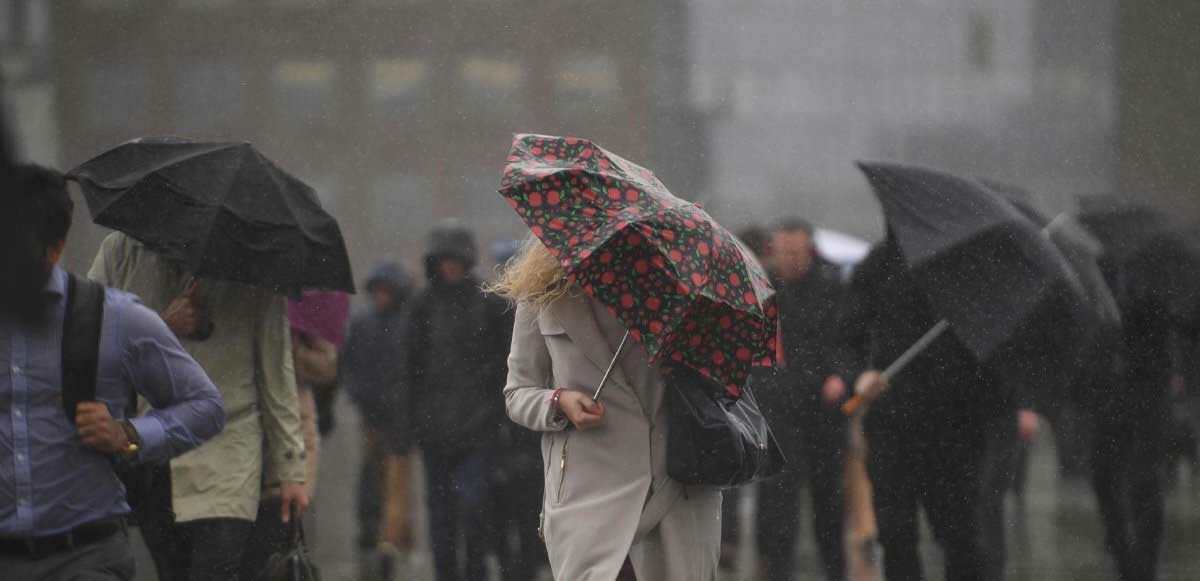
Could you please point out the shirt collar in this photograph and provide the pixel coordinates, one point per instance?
(56, 285)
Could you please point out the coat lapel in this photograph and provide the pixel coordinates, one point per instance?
(576, 319)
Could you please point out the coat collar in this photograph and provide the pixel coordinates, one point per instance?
(574, 316)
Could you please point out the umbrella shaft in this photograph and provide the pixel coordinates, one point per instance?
(917, 348)
(611, 365)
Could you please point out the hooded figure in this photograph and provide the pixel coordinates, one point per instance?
(372, 363)
(372, 371)
(457, 355)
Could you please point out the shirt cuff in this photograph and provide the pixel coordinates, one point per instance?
(150, 431)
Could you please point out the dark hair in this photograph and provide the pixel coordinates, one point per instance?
(756, 239)
(794, 225)
(35, 215)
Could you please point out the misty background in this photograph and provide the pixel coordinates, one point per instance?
(400, 112)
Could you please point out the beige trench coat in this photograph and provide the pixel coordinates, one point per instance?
(249, 358)
(607, 494)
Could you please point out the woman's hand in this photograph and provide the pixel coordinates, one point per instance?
(581, 410)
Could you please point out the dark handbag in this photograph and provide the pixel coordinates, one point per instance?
(715, 439)
(294, 563)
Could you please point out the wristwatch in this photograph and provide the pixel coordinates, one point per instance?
(135, 441)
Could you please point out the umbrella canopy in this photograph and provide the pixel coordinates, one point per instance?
(1002, 287)
(321, 314)
(1156, 257)
(1083, 252)
(682, 285)
(222, 209)
(1081, 249)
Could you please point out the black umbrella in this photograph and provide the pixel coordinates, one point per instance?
(1081, 249)
(1000, 285)
(1154, 256)
(1084, 253)
(222, 209)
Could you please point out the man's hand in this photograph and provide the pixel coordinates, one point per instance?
(1027, 425)
(98, 430)
(292, 494)
(583, 412)
(833, 391)
(870, 385)
(182, 316)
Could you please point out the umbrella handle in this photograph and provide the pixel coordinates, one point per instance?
(611, 365)
(855, 403)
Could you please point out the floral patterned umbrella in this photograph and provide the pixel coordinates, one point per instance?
(682, 285)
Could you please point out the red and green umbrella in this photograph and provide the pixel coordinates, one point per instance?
(682, 285)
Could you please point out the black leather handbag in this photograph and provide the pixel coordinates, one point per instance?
(715, 439)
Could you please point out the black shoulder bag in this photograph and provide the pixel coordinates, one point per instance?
(715, 439)
(147, 487)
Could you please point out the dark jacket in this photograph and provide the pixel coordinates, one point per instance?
(886, 312)
(1141, 358)
(458, 341)
(372, 359)
(457, 360)
(790, 396)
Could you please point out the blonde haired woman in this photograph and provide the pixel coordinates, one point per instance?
(609, 510)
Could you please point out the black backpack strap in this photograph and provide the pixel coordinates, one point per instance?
(81, 342)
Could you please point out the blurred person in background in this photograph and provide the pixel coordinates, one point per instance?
(62, 505)
(318, 323)
(518, 484)
(373, 372)
(1133, 416)
(802, 401)
(457, 342)
(758, 240)
(240, 335)
(926, 434)
(1008, 437)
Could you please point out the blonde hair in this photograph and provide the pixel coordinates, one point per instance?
(532, 277)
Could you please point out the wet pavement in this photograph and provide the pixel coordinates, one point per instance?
(1057, 535)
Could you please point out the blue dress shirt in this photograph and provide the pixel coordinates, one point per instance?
(49, 482)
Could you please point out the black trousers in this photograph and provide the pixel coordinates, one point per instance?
(1130, 483)
(109, 559)
(999, 472)
(933, 463)
(823, 448)
(517, 504)
(458, 496)
(200, 550)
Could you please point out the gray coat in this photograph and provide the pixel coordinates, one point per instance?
(607, 493)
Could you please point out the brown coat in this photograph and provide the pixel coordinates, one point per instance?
(607, 494)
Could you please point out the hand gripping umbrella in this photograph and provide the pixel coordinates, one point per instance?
(999, 283)
(223, 210)
(681, 284)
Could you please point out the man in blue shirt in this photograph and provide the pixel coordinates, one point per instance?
(62, 506)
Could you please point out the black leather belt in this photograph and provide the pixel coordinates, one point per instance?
(79, 536)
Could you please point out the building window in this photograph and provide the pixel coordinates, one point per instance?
(396, 83)
(400, 204)
(209, 94)
(204, 4)
(586, 83)
(491, 84)
(109, 4)
(981, 42)
(305, 90)
(113, 95)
